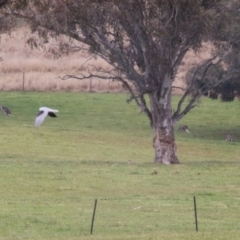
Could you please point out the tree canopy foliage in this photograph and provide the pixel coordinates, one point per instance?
(6, 21)
(225, 32)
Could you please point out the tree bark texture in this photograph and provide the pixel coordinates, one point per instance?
(164, 139)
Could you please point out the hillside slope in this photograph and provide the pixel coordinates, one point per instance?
(42, 71)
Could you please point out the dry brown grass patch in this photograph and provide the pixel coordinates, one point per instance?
(42, 69)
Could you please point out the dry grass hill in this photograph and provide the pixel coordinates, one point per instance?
(40, 71)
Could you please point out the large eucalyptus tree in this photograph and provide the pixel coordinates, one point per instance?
(145, 42)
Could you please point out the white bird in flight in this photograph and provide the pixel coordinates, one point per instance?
(43, 112)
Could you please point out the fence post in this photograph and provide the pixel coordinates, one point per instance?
(23, 81)
(90, 85)
(195, 211)
(93, 217)
(99, 85)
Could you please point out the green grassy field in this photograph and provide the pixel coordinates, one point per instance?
(100, 147)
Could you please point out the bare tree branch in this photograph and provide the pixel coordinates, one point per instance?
(178, 114)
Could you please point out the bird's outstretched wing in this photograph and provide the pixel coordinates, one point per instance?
(52, 114)
(40, 118)
(40, 113)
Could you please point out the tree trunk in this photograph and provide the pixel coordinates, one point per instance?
(164, 140)
(164, 144)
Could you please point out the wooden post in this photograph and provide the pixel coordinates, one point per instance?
(99, 85)
(93, 217)
(195, 211)
(90, 85)
(23, 82)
